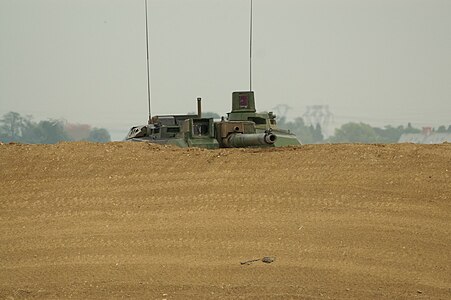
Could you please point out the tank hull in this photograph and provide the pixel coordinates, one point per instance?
(179, 142)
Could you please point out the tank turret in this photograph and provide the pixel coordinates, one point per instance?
(243, 109)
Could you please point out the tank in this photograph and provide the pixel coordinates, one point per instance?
(243, 128)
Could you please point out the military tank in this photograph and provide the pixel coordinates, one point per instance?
(243, 128)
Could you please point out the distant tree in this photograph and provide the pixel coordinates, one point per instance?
(15, 128)
(12, 126)
(31, 132)
(210, 114)
(78, 132)
(411, 129)
(84, 132)
(307, 134)
(364, 133)
(449, 129)
(100, 135)
(50, 132)
(354, 133)
(441, 129)
(318, 134)
(207, 114)
(388, 134)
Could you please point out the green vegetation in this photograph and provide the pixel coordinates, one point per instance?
(351, 132)
(207, 114)
(17, 128)
(364, 133)
(308, 134)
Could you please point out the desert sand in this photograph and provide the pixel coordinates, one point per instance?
(134, 220)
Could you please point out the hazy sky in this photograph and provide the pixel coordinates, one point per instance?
(376, 61)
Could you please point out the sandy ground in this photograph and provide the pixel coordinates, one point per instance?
(133, 220)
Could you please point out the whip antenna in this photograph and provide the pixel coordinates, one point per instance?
(148, 70)
(250, 50)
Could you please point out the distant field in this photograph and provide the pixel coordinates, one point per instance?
(118, 220)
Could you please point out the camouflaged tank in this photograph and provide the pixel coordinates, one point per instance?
(243, 128)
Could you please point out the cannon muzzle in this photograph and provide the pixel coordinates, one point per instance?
(240, 140)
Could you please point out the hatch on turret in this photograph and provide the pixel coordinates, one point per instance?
(243, 102)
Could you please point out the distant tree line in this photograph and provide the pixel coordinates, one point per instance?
(348, 133)
(308, 134)
(22, 129)
(352, 132)
(365, 133)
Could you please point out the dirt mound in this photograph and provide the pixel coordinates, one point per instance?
(85, 220)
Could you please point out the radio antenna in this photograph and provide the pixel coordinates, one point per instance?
(250, 49)
(147, 64)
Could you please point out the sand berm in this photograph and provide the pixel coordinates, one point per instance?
(134, 220)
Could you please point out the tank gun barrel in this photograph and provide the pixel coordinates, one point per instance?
(238, 140)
